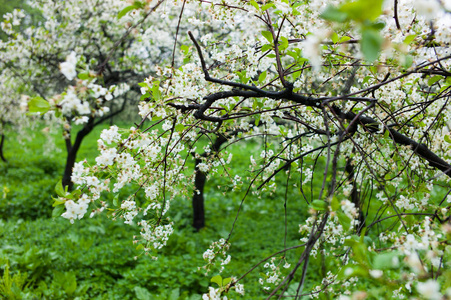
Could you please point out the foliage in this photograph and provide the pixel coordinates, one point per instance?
(46, 250)
(11, 287)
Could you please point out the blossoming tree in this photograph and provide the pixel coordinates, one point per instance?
(359, 87)
(77, 63)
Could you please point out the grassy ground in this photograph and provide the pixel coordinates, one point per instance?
(94, 258)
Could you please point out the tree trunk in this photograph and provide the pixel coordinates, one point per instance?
(72, 153)
(199, 183)
(198, 198)
(70, 162)
(2, 140)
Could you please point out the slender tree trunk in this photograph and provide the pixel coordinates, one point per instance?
(2, 140)
(70, 162)
(198, 198)
(199, 183)
(72, 153)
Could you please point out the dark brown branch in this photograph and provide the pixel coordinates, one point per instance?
(422, 150)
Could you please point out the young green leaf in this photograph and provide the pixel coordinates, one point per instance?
(268, 36)
(262, 77)
(434, 79)
(371, 44)
(319, 205)
(217, 279)
(59, 190)
(38, 104)
(58, 211)
(333, 14)
(126, 10)
(226, 281)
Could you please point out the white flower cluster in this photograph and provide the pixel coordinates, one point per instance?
(217, 248)
(76, 210)
(274, 274)
(68, 67)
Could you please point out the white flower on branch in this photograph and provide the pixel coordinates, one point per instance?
(68, 67)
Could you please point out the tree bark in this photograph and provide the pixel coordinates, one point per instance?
(72, 153)
(198, 198)
(199, 184)
(2, 140)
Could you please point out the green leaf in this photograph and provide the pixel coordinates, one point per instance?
(362, 235)
(267, 35)
(334, 38)
(83, 76)
(144, 97)
(116, 200)
(447, 139)
(335, 204)
(139, 247)
(409, 39)
(362, 10)
(267, 6)
(142, 293)
(74, 195)
(58, 211)
(371, 44)
(434, 79)
(179, 127)
(344, 39)
(266, 47)
(262, 77)
(217, 279)
(58, 201)
(185, 49)
(344, 220)
(377, 25)
(331, 13)
(254, 4)
(388, 260)
(175, 294)
(283, 43)
(408, 61)
(38, 104)
(226, 281)
(70, 283)
(297, 74)
(59, 189)
(360, 252)
(156, 94)
(319, 205)
(126, 10)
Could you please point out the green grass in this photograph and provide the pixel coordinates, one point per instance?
(94, 258)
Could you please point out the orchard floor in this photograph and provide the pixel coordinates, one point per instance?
(48, 258)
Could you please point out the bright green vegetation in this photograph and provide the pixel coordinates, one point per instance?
(94, 258)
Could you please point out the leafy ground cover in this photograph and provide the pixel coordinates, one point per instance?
(45, 257)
